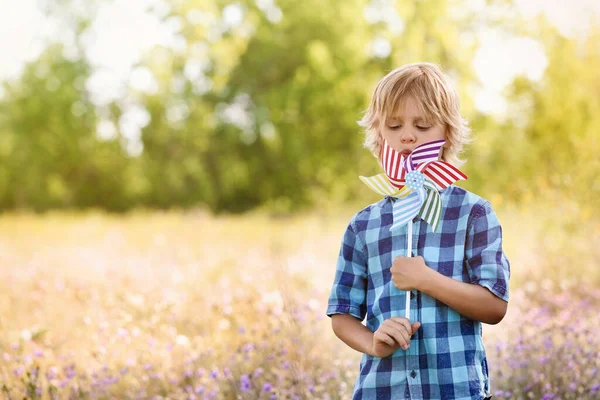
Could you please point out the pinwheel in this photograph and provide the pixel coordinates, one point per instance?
(416, 182)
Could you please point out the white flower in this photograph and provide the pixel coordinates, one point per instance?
(182, 340)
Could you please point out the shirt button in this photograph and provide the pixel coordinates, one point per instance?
(413, 374)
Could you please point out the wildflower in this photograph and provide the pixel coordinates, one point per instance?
(51, 373)
(257, 372)
(267, 387)
(245, 383)
(182, 340)
(18, 371)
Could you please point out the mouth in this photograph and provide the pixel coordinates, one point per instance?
(405, 153)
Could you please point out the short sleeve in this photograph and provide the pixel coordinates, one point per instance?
(348, 294)
(487, 264)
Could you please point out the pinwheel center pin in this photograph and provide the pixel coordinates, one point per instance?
(415, 180)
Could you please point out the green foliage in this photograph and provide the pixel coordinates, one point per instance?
(549, 144)
(49, 154)
(262, 112)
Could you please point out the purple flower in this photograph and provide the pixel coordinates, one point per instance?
(51, 373)
(548, 396)
(199, 389)
(70, 371)
(257, 372)
(18, 371)
(573, 386)
(267, 387)
(245, 384)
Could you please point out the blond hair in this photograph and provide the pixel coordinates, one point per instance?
(436, 98)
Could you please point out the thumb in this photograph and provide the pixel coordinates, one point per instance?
(415, 326)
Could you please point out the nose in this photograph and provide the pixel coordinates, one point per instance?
(407, 138)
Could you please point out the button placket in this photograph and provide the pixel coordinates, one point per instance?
(412, 354)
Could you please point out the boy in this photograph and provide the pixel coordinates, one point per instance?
(458, 275)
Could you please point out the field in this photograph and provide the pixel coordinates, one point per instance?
(185, 305)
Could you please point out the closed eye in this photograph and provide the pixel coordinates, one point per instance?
(423, 128)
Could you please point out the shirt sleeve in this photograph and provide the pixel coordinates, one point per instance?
(348, 294)
(487, 264)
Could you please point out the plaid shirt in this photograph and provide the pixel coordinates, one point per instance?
(446, 359)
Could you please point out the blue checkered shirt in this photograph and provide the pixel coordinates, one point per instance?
(446, 358)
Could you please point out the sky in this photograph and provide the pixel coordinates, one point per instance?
(114, 43)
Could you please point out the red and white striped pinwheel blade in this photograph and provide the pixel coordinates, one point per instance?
(392, 162)
(442, 173)
(401, 181)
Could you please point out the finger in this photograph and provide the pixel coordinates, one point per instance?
(383, 337)
(398, 332)
(415, 327)
(404, 322)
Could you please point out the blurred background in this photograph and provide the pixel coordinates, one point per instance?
(163, 157)
(237, 105)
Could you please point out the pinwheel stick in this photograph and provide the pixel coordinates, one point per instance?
(408, 254)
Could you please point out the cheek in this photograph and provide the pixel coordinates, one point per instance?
(436, 134)
(389, 136)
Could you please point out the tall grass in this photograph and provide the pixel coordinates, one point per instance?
(189, 306)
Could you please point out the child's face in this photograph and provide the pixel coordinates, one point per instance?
(410, 129)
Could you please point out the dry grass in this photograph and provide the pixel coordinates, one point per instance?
(186, 305)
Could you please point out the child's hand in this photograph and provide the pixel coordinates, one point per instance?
(392, 334)
(408, 272)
